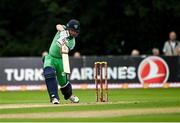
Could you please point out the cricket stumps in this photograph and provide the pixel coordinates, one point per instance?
(101, 81)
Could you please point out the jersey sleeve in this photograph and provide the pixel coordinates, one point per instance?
(71, 44)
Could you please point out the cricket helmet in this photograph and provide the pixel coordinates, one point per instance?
(73, 24)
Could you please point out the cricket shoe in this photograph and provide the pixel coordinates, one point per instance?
(55, 101)
(74, 99)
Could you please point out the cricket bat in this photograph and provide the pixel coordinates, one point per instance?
(65, 59)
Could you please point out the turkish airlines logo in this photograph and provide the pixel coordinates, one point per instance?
(153, 69)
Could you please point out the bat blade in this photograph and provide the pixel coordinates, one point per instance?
(66, 65)
(65, 59)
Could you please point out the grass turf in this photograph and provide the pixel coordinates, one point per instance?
(121, 99)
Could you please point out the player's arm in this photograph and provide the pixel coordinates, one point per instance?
(63, 38)
(71, 44)
(63, 34)
(62, 41)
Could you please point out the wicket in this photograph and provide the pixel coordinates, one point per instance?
(99, 72)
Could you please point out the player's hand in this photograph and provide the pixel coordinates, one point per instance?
(64, 34)
(60, 27)
(63, 41)
(64, 49)
(63, 37)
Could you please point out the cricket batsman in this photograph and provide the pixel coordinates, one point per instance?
(53, 65)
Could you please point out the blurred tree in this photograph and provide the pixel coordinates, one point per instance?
(107, 27)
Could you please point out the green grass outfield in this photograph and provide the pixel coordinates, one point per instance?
(124, 105)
